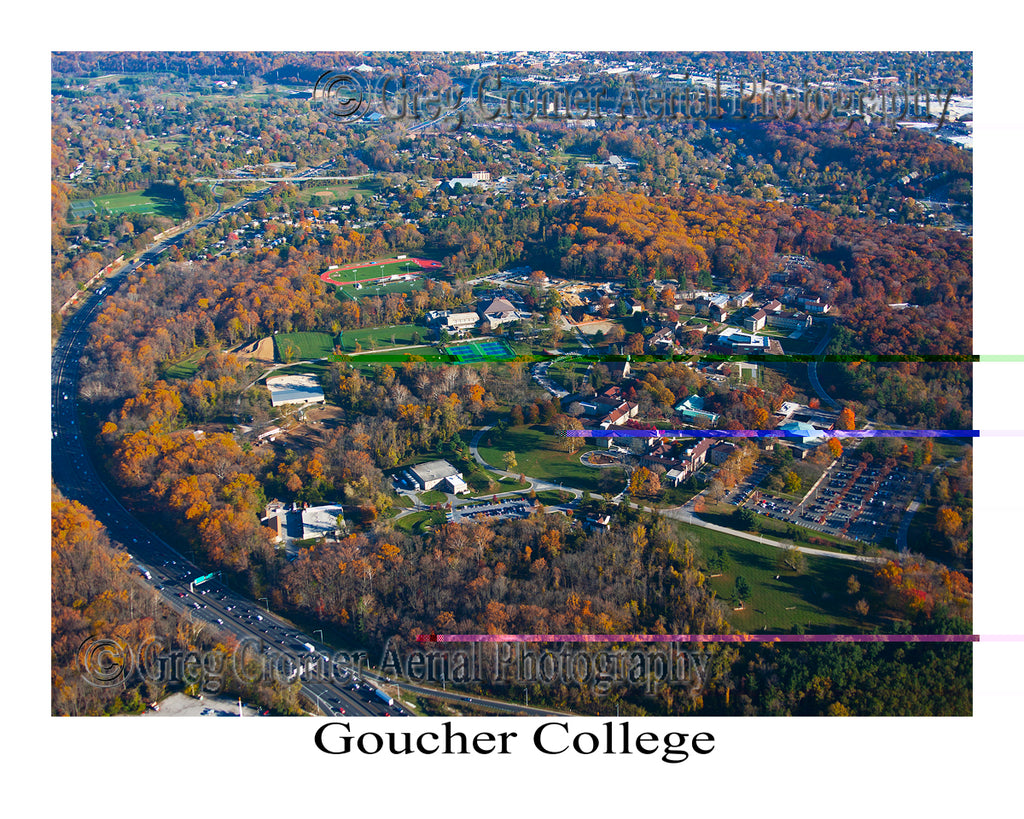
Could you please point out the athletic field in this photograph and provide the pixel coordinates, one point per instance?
(296, 346)
(473, 352)
(374, 271)
(134, 202)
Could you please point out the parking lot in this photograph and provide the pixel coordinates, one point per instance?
(855, 499)
(860, 501)
(508, 508)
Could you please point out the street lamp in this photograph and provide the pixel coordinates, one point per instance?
(265, 603)
(320, 631)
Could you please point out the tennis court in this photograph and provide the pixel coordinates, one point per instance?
(475, 351)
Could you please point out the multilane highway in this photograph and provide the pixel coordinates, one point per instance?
(171, 574)
(331, 688)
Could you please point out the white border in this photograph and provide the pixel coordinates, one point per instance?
(776, 767)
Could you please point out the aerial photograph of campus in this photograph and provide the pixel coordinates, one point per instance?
(475, 383)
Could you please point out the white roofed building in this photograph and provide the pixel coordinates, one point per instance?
(295, 389)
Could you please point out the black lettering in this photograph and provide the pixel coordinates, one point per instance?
(708, 737)
(642, 739)
(483, 737)
(538, 743)
(318, 738)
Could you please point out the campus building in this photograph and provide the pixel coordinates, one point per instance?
(433, 474)
(692, 410)
(295, 389)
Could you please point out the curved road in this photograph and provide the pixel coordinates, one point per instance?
(812, 368)
(683, 514)
(171, 574)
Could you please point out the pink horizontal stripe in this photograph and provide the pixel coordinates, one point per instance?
(713, 638)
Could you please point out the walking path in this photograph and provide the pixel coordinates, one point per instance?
(683, 514)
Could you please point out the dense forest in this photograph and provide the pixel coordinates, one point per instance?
(100, 606)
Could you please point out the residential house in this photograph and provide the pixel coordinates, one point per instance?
(718, 312)
(663, 341)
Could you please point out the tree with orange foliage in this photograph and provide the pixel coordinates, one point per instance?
(948, 521)
(846, 419)
(835, 449)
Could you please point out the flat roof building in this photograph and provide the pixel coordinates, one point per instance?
(321, 521)
(432, 474)
(295, 389)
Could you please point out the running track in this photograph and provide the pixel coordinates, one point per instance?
(422, 264)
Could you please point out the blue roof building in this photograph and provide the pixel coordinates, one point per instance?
(692, 409)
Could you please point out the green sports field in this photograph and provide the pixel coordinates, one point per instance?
(473, 352)
(135, 202)
(380, 338)
(296, 346)
(374, 270)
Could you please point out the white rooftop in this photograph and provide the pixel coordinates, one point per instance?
(433, 470)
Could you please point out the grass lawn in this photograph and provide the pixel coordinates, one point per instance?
(370, 290)
(538, 455)
(946, 448)
(482, 483)
(303, 345)
(509, 485)
(366, 362)
(419, 523)
(551, 497)
(134, 202)
(335, 193)
(433, 496)
(674, 495)
(816, 599)
(317, 368)
(187, 367)
(376, 338)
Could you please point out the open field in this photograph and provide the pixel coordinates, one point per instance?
(369, 290)
(188, 366)
(380, 338)
(539, 456)
(335, 193)
(295, 346)
(370, 271)
(816, 599)
(133, 202)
